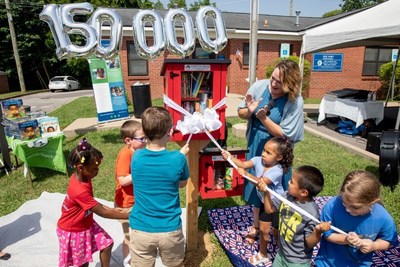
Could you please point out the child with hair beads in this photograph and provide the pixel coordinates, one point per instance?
(78, 234)
(357, 211)
(297, 234)
(133, 137)
(275, 160)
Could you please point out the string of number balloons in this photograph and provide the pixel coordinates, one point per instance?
(60, 19)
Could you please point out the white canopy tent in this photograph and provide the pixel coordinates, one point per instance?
(378, 25)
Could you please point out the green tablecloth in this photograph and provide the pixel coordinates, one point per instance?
(41, 152)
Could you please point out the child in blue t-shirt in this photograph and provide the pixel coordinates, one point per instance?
(157, 175)
(357, 211)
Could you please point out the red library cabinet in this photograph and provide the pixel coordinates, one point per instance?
(195, 84)
(217, 178)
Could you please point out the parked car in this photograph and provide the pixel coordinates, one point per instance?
(63, 83)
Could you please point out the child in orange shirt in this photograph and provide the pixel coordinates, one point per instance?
(133, 137)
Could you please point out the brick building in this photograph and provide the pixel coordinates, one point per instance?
(359, 64)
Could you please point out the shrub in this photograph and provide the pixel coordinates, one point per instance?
(385, 75)
(306, 71)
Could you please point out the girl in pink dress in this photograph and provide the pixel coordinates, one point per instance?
(78, 234)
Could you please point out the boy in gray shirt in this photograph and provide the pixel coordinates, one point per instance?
(298, 234)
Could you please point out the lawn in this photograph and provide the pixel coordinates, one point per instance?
(334, 161)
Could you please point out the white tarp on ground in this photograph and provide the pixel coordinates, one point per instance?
(29, 233)
(377, 25)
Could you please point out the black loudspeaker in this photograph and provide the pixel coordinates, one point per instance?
(389, 168)
(374, 142)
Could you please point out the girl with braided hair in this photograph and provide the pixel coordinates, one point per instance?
(78, 234)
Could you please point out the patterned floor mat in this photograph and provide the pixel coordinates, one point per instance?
(230, 225)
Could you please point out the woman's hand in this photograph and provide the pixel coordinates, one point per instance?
(251, 104)
(262, 114)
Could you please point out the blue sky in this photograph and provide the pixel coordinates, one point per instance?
(308, 8)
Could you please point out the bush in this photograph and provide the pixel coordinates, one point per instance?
(385, 75)
(306, 71)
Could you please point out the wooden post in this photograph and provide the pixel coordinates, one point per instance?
(192, 193)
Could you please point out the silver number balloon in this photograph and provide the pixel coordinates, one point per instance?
(171, 18)
(221, 39)
(97, 19)
(139, 22)
(51, 15)
(68, 12)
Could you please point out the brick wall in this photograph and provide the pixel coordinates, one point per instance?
(268, 52)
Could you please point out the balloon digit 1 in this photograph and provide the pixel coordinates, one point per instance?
(50, 14)
(179, 15)
(139, 22)
(97, 19)
(221, 39)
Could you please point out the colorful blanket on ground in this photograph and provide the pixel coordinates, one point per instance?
(231, 225)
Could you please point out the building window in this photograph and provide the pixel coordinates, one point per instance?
(200, 53)
(246, 54)
(374, 58)
(137, 66)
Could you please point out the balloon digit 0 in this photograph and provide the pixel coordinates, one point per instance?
(139, 36)
(97, 19)
(179, 15)
(221, 39)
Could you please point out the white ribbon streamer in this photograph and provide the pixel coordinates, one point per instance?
(292, 205)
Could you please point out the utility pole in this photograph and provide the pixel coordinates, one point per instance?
(253, 41)
(291, 8)
(15, 47)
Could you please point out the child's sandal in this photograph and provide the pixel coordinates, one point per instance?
(252, 236)
(258, 258)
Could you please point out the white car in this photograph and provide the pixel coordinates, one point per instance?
(63, 83)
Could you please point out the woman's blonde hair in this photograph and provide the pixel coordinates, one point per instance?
(361, 187)
(290, 76)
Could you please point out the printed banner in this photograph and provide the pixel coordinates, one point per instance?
(108, 89)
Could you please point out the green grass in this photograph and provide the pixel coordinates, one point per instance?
(334, 161)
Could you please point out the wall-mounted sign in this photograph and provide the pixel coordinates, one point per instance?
(329, 62)
(285, 50)
(394, 54)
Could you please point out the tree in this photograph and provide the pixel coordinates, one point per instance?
(158, 5)
(332, 13)
(197, 4)
(349, 5)
(177, 4)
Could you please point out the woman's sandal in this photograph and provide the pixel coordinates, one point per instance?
(252, 235)
(258, 258)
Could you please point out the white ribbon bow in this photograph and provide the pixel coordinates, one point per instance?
(197, 123)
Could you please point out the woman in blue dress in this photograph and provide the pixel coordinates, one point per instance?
(273, 107)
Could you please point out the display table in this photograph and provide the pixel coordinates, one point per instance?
(357, 111)
(41, 152)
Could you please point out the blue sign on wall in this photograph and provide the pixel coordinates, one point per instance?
(327, 62)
